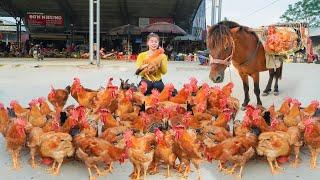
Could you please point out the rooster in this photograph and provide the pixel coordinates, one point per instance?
(58, 97)
(35, 117)
(310, 110)
(166, 93)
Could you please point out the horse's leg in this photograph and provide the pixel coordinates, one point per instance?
(267, 90)
(245, 83)
(257, 88)
(276, 89)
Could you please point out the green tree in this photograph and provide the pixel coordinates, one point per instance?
(303, 11)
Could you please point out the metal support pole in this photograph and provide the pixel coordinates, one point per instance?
(98, 31)
(219, 10)
(91, 31)
(213, 20)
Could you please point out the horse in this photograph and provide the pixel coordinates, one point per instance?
(228, 41)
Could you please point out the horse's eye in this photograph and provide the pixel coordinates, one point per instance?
(226, 48)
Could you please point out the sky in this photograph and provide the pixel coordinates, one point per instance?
(252, 13)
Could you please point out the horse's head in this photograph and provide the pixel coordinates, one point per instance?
(221, 47)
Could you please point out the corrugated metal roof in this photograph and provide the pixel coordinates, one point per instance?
(114, 13)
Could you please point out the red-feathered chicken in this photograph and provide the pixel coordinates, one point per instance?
(166, 93)
(310, 110)
(19, 111)
(35, 117)
(58, 97)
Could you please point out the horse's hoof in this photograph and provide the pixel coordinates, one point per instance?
(276, 93)
(265, 94)
(243, 108)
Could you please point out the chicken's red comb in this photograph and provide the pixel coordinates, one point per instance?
(295, 102)
(158, 133)
(76, 80)
(256, 114)
(33, 102)
(127, 135)
(155, 92)
(205, 86)
(1, 105)
(193, 81)
(307, 122)
(288, 99)
(13, 102)
(21, 122)
(230, 84)
(249, 109)
(315, 103)
(143, 87)
(41, 100)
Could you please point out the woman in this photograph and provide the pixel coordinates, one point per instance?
(148, 67)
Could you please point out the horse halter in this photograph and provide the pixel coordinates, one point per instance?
(226, 61)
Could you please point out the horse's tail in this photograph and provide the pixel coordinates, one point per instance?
(279, 71)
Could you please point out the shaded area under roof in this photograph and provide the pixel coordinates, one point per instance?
(114, 13)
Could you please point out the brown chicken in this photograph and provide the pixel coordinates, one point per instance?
(15, 136)
(140, 152)
(223, 119)
(310, 110)
(44, 107)
(4, 118)
(285, 107)
(19, 111)
(36, 118)
(94, 151)
(183, 95)
(86, 98)
(125, 103)
(293, 117)
(166, 93)
(312, 140)
(153, 99)
(56, 146)
(200, 101)
(138, 96)
(107, 119)
(164, 150)
(106, 97)
(187, 148)
(114, 134)
(152, 63)
(274, 145)
(58, 97)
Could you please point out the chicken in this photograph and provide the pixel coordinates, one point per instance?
(164, 150)
(76, 83)
(44, 107)
(114, 134)
(138, 96)
(223, 119)
(58, 97)
(227, 89)
(4, 118)
(140, 152)
(153, 99)
(124, 103)
(53, 124)
(200, 100)
(273, 145)
(107, 119)
(166, 93)
(152, 64)
(142, 122)
(86, 98)
(56, 146)
(294, 133)
(285, 107)
(194, 85)
(293, 117)
(310, 110)
(35, 117)
(312, 140)
(15, 136)
(19, 111)
(187, 148)
(94, 151)
(215, 134)
(236, 150)
(183, 95)
(106, 97)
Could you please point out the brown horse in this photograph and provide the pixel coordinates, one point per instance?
(228, 41)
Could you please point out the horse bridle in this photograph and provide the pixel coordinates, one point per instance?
(226, 61)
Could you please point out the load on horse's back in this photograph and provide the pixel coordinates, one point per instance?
(228, 41)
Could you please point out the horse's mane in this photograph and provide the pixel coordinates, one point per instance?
(220, 32)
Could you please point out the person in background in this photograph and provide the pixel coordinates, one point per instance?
(154, 79)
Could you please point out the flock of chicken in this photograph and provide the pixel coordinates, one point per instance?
(114, 124)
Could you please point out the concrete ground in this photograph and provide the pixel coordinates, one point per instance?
(24, 79)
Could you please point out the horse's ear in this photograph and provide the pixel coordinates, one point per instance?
(235, 29)
(208, 27)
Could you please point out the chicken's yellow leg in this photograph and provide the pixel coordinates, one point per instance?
(277, 165)
(14, 161)
(186, 171)
(240, 172)
(56, 172)
(315, 160)
(231, 171)
(296, 160)
(50, 170)
(273, 171)
(90, 175)
(99, 172)
(168, 170)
